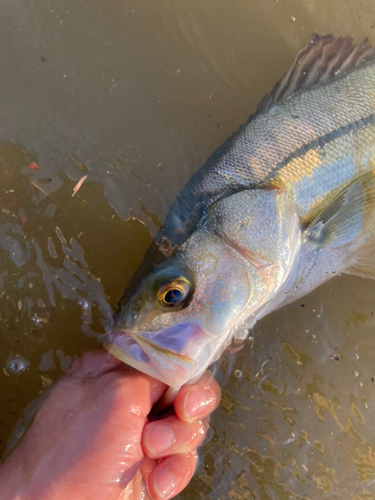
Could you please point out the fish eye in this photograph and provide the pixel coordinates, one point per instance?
(174, 293)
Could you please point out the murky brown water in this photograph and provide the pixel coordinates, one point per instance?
(136, 95)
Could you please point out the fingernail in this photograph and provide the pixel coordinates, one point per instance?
(159, 438)
(195, 403)
(165, 483)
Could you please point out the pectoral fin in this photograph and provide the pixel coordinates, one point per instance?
(363, 261)
(347, 216)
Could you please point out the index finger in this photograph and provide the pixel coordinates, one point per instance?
(196, 401)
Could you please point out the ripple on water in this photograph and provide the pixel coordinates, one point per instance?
(49, 295)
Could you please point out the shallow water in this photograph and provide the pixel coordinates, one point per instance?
(135, 96)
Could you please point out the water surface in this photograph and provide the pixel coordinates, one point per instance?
(135, 96)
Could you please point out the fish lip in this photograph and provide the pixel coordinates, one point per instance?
(132, 348)
(123, 356)
(142, 340)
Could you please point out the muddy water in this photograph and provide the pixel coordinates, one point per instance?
(135, 96)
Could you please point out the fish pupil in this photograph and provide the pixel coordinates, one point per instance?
(173, 296)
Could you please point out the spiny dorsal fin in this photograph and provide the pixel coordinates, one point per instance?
(323, 58)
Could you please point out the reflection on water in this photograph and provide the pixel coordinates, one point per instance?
(53, 307)
(43, 272)
(135, 96)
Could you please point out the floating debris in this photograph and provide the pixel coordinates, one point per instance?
(33, 166)
(77, 187)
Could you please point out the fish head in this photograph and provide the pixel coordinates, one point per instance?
(184, 312)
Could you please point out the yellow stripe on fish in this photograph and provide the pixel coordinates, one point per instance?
(286, 203)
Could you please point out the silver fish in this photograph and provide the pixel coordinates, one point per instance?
(283, 205)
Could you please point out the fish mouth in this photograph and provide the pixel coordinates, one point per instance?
(173, 355)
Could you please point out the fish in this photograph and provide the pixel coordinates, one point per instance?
(285, 204)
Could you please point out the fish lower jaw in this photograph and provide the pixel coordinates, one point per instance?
(168, 367)
(128, 360)
(176, 355)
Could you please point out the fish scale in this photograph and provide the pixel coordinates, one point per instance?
(285, 204)
(268, 141)
(317, 176)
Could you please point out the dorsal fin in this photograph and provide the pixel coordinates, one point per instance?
(323, 58)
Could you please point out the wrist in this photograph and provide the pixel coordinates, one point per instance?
(11, 478)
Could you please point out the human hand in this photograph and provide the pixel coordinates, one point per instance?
(91, 438)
